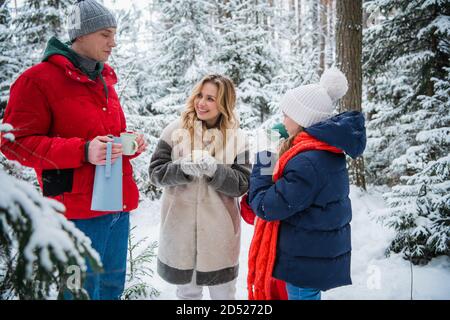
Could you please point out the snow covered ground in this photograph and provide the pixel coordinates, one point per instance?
(374, 276)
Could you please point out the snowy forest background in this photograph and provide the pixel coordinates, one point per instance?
(395, 53)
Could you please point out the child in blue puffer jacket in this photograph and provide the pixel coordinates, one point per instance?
(310, 197)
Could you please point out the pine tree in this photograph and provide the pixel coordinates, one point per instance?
(183, 40)
(35, 23)
(246, 55)
(129, 58)
(295, 39)
(407, 66)
(139, 271)
(421, 202)
(39, 247)
(10, 64)
(349, 32)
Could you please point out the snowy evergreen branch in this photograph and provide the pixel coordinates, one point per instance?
(139, 271)
(38, 243)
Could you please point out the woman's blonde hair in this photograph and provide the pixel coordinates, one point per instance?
(226, 102)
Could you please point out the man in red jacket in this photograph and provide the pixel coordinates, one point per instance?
(62, 111)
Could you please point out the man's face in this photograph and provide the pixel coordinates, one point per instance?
(98, 45)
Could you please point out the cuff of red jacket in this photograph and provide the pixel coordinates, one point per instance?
(86, 151)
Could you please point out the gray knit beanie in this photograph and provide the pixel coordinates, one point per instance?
(87, 16)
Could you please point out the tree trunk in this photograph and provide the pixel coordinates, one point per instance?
(292, 6)
(323, 34)
(267, 18)
(257, 13)
(315, 32)
(2, 17)
(223, 12)
(330, 31)
(299, 23)
(348, 56)
(293, 17)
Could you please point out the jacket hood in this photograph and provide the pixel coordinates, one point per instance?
(56, 47)
(345, 131)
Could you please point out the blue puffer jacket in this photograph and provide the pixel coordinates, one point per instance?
(311, 201)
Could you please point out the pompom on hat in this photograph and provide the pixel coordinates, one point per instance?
(313, 103)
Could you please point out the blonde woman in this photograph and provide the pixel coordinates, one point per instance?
(202, 162)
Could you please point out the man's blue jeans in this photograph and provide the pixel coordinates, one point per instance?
(298, 293)
(109, 236)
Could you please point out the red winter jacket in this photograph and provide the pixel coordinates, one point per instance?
(55, 109)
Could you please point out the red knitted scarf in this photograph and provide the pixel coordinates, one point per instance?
(260, 283)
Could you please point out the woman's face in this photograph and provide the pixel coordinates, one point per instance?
(206, 104)
(291, 126)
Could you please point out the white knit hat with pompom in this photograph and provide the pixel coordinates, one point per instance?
(312, 103)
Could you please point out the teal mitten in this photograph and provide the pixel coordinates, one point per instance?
(281, 130)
